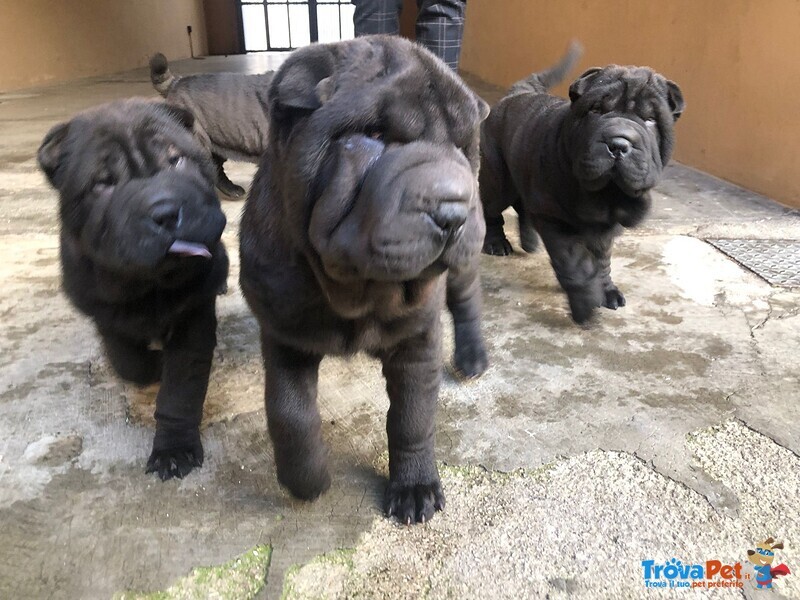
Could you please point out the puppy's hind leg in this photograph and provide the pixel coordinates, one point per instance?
(528, 237)
(225, 185)
(494, 197)
(293, 419)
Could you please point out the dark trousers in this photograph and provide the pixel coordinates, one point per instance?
(440, 23)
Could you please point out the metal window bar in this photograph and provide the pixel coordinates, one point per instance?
(313, 24)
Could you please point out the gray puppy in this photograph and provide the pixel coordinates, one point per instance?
(362, 222)
(577, 171)
(230, 121)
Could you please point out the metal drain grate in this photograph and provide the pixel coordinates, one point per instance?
(776, 261)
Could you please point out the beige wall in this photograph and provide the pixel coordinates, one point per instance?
(43, 41)
(735, 60)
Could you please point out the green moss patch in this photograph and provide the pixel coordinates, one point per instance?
(239, 579)
(323, 577)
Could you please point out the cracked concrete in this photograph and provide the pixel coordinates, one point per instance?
(702, 344)
(579, 526)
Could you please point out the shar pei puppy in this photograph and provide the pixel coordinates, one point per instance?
(141, 255)
(230, 121)
(362, 222)
(577, 172)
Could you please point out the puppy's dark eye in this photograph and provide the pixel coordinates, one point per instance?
(375, 133)
(103, 184)
(177, 161)
(175, 158)
(596, 110)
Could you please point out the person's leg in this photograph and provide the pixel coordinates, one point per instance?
(377, 16)
(440, 27)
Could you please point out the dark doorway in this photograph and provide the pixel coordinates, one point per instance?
(289, 24)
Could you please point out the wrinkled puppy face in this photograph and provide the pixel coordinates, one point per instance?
(379, 142)
(136, 189)
(623, 127)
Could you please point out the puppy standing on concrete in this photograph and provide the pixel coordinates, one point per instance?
(363, 220)
(230, 117)
(141, 255)
(577, 172)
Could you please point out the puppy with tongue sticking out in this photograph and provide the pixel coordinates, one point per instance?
(141, 255)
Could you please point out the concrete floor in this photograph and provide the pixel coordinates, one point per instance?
(671, 428)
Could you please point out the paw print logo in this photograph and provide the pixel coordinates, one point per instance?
(672, 568)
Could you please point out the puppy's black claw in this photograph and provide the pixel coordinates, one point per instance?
(471, 361)
(614, 299)
(413, 503)
(171, 458)
(498, 248)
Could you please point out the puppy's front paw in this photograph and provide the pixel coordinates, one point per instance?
(175, 454)
(306, 482)
(470, 360)
(614, 299)
(413, 503)
(528, 239)
(303, 470)
(582, 309)
(500, 247)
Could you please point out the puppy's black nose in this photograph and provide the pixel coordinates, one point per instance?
(450, 215)
(619, 146)
(166, 215)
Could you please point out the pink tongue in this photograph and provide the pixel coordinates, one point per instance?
(189, 249)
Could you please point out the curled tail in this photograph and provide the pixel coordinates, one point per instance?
(160, 74)
(542, 81)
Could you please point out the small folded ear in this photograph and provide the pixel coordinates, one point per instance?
(580, 85)
(179, 114)
(325, 89)
(675, 99)
(51, 152)
(304, 81)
